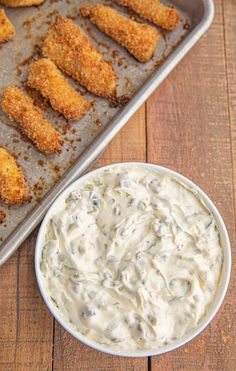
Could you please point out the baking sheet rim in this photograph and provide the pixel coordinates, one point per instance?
(17, 237)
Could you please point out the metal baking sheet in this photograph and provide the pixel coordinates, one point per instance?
(48, 175)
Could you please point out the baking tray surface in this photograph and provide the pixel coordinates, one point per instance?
(81, 139)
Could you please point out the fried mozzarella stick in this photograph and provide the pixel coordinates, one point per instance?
(70, 49)
(7, 30)
(12, 180)
(20, 108)
(20, 3)
(139, 39)
(45, 77)
(152, 10)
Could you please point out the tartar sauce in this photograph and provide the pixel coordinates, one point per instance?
(132, 259)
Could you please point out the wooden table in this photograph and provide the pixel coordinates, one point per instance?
(189, 125)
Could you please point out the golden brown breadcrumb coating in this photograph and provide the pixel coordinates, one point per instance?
(7, 30)
(45, 77)
(20, 107)
(19, 3)
(12, 180)
(138, 38)
(154, 11)
(71, 50)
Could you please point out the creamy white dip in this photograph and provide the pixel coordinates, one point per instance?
(132, 259)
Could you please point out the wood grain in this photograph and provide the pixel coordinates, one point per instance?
(191, 128)
(188, 130)
(229, 21)
(69, 354)
(129, 144)
(35, 324)
(8, 314)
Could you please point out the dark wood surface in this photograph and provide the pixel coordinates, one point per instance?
(189, 125)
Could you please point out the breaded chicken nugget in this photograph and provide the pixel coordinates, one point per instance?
(7, 30)
(139, 39)
(20, 108)
(71, 50)
(19, 3)
(45, 77)
(152, 10)
(12, 180)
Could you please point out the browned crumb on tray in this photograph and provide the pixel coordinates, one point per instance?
(45, 77)
(70, 49)
(2, 216)
(122, 100)
(37, 98)
(12, 180)
(187, 25)
(138, 38)
(33, 56)
(20, 108)
(19, 3)
(154, 11)
(7, 30)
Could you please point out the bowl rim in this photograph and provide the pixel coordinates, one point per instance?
(224, 278)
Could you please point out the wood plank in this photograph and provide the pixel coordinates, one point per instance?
(8, 314)
(129, 144)
(69, 354)
(229, 18)
(188, 131)
(34, 342)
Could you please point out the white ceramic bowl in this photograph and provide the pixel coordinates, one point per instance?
(221, 291)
